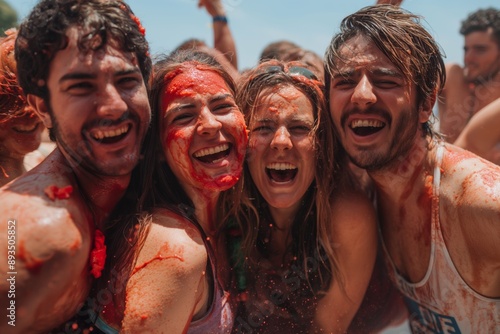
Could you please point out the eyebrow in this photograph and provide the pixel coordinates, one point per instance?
(378, 71)
(221, 97)
(86, 75)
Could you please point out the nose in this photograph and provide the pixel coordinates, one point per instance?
(110, 103)
(363, 95)
(208, 123)
(281, 139)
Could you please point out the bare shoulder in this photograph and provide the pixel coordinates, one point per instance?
(454, 77)
(469, 181)
(45, 225)
(454, 71)
(176, 238)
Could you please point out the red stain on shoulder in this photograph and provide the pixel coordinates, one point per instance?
(489, 177)
(54, 192)
(31, 263)
(163, 254)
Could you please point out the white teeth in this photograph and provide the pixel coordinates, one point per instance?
(101, 134)
(211, 150)
(281, 166)
(366, 123)
(25, 128)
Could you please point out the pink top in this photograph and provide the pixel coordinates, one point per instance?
(219, 318)
(442, 302)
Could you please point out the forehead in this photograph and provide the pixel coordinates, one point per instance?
(72, 58)
(360, 52)
(195, 79)
(194, 82)
(282, 101)
(481, 38)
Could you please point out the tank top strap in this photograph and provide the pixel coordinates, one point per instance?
(436, 225)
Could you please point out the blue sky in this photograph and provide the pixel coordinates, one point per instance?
(255, 23)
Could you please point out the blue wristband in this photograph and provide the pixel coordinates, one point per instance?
(220, 18)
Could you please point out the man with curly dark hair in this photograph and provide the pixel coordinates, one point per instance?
(470, 88)
(84, 66)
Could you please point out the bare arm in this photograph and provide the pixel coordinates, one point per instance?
(168, 287)
(472, 224)
(482, 132)
(223, 38)
(355, 240)
(454, 103)
(50, 278)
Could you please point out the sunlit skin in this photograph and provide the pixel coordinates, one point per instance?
(100, 94)
(282, 142)
(481, 56)
(203, 132)
(92, 95)
(368, 93)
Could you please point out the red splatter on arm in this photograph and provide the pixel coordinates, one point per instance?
(54, 192)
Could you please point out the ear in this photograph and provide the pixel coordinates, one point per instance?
(425, 110)
(40, 107)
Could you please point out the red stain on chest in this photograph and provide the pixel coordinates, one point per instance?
(54, 192)
(98, 255)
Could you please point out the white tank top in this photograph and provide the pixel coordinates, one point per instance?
(442, 302)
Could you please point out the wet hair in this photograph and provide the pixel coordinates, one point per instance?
(43, 33)
(278, 50)
(482, 20)
(288, 51)
(311, 227)
(190, 44)
(153, 184)
(12, 100)
(403, 40)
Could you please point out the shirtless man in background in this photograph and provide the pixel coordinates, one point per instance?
(469, 89)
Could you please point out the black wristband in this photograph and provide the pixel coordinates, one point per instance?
(220, 18)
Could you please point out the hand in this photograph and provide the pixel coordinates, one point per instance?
(214, 7)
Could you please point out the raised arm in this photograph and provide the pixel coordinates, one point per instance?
(482, 133)
(223, 38)
(355, 241)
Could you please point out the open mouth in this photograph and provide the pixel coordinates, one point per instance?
(213, 154)
(281, 171)
(26, 128)
(110, 136)
(366, 127)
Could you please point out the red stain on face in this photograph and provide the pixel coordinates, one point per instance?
(203, 132)
(54, 192)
